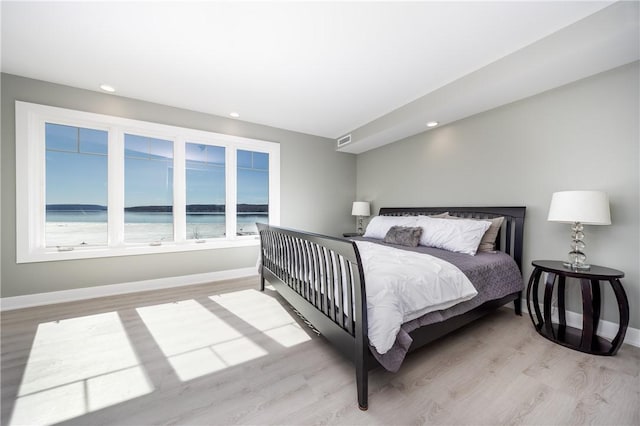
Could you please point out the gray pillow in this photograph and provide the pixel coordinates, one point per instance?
(403, 235)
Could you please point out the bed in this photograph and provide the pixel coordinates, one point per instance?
(323, 279)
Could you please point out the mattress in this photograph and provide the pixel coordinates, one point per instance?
(494, 275)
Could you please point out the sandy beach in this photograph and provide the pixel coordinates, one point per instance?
(95, 234)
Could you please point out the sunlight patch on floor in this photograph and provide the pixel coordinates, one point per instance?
(76, 366)
(196, 363)
(288, 335)
(264, 313)
(196, 341)
(113, 388)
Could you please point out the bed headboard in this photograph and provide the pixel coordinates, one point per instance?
(510, 238)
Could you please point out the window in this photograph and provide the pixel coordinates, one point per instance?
(206, 191)
(253, 191)
(76, 186)
(91, 185)
(148, 189)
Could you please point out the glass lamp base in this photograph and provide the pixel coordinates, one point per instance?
(576, 255)
(577, 266)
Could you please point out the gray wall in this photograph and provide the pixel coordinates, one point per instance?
(580, 136)
(317, 188)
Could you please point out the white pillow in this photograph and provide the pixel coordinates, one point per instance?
(459, 235)
(379, 225)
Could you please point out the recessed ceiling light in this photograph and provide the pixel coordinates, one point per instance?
(107, 88)
(432, 124)
(234, 114)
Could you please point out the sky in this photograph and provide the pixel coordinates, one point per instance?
(76, 170)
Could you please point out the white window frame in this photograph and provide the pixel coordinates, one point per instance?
(30, 183)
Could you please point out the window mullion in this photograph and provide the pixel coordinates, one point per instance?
(179, 192)
(115, 212)
(274, 186)
(37, 201)
(231, 192)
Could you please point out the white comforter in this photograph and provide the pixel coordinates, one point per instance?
(404, 285)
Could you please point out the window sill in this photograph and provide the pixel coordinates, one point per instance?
(52, 255)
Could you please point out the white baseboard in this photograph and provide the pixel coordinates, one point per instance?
(606, 329)
(39, 299)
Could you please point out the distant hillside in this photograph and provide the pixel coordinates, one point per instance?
(203, 208)
(75, 208)
(191, 208)
(149, 209)
(220, 208)
(253, 208)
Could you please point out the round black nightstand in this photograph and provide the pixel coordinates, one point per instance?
(584, 340)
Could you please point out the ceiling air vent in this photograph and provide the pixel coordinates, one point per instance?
(344, 141)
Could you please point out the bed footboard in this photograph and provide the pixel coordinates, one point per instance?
(322, 278)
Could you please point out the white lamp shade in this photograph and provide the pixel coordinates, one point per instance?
(586, 207)
(360, 208)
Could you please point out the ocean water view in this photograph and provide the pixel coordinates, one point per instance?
(73, 228)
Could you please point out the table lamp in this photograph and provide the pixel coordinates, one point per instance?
(360, 209)
(579, 208)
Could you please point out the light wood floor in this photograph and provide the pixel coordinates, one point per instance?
(226, 353)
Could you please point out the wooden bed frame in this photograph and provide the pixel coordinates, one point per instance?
(307, 269)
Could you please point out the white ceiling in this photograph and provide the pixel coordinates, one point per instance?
(320, 68)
